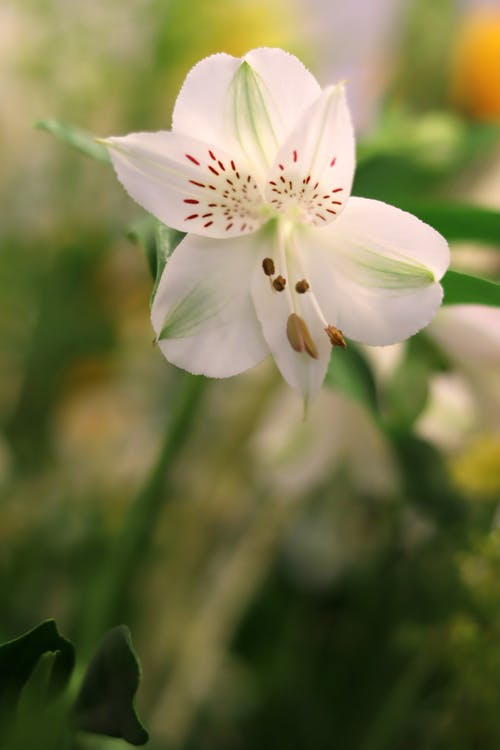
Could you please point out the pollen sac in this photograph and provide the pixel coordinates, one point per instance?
(336, 336)
(268, 266)
(299, 336)
(279, 283)
(302, 286)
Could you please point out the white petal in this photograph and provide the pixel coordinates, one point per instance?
(273, 309)
(314, 168)
(187, 184)
(375, 271)
(203, 312)
(249, 103)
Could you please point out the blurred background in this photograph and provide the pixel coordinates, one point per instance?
(333, 583)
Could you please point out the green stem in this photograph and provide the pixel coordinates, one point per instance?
(109, 599)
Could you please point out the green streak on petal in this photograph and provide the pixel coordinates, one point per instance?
(386, 272)
(192, 313)
(251, 117)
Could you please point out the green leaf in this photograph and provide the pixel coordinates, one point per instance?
(105, 701)
(167, 240)
(350, 373)
(75, 138)
(19, 657)
(459, 222)
(143, 232)
(461, 288)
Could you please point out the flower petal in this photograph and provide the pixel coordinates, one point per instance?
(375, 271)
(187, 184)
(315, 166)
(274, 309)
(249, 103)
(203, 313)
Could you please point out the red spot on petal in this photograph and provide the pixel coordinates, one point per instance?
(281, 167)
(320, 217)
(190, 200)
(212, 155)
(295, 156)
(221, 165)
(208, 224)
(271, 182)
(229, 227)
(205, 216)
(193, 216)
(332, 163)
(330, 211)
(336, 203)
(214, 171)
(191, 158)
(198, 184)
(243, 227)
(212, 187)
(233, 166)
(249, 178)
(337, 190)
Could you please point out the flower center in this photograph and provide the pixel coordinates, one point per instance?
(284, 267)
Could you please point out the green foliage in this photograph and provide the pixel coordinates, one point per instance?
(42, 650)
(35, 704)
(75, 138)
(464, 289)
(105, 701)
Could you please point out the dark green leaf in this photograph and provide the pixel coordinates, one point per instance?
(105, 702)
(19, 657)
(350, 372)
(461, 288)
(78, 139)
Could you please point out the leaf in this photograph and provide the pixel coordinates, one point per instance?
(462, 288)
(105, 701)
(459, 221)
(167, 240)
(350, 373)
(75, 138)
(143, 232)
(19, 657)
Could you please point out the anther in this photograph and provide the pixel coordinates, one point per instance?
(268, 266)
(299, 336)
(336, 336)
(279, 283)
(302, 286)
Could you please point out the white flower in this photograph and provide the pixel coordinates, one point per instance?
(258, 169)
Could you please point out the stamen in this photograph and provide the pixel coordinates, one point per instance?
(279, 283)
(299, 336)
(268, 266)
(302, 286)
(336, 336)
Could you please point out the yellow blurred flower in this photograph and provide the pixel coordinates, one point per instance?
(475, 85)
(476, 469)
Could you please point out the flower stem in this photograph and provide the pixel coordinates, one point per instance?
(108, 600)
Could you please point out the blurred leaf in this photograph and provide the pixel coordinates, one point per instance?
(350, 373)
(461, 288)
(460, 222)
(19, 657)
(78, 139)
(167, 240)
(143, 231)
(105, 702)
